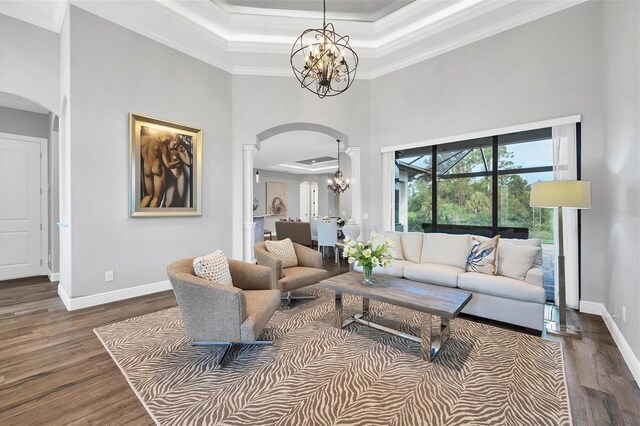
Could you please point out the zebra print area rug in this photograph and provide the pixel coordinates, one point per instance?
(315, 374)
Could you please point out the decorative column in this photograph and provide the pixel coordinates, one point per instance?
(248, 152)
(388, 182)
(354, 152)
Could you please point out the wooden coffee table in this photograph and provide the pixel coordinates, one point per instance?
(429, 299)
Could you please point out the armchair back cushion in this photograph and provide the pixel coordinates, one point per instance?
(446, 249)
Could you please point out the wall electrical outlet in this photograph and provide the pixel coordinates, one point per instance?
(108, 276)
(624, 314)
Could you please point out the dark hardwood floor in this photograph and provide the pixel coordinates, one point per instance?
(55, 371)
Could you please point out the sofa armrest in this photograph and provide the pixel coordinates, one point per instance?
(270, 261)
(248, 276)
(308, 257)
(210, 311)
(535, 276)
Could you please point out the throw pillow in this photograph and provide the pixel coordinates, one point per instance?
(284, 251)
(445, 249)
(213, 267)
(531, 242)
(514, 261)
(483, 255)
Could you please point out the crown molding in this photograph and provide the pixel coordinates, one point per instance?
(232, 41)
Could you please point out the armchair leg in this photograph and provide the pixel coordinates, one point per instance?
(288, 297)
(227, 347)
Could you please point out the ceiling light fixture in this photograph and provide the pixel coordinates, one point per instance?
(323, 61)
(338, 184)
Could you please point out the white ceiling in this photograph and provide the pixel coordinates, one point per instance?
(8, 100)
(353, 10)
(281, 152)
(240, 38)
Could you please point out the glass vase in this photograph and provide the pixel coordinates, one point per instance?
(367, 271)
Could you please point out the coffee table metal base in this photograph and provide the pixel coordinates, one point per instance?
(430, 345)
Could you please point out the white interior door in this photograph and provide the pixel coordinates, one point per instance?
(20, 208)
(304, 201)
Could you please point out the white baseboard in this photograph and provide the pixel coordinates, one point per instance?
(630, 358)
(54, 277)
(111, 296)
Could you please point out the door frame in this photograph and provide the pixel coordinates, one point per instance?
(44, 191)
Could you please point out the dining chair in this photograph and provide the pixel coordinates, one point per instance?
(327, 234)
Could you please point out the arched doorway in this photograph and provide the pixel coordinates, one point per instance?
(249, 153)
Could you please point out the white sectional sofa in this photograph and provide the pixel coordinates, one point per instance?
(441, 259)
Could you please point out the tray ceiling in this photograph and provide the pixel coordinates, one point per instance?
(242, 38)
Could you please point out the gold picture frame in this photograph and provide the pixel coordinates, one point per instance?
(166, 168)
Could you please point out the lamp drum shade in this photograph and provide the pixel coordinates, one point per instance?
(561, 193)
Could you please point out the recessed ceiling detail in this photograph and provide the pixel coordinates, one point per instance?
(241, 38)
(351, 10)
(317, 160)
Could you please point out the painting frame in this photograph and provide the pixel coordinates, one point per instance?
(273, 191)
(190, 170)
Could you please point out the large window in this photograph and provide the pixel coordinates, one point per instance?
(480, 186)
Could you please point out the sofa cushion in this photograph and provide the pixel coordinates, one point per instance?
(433, 273)
(508, 288)
(284, 251)
(445, 249)
(531, 242)
(514, 261)
(213, 267)
(412, 245)
(396, 269)
(395, 239)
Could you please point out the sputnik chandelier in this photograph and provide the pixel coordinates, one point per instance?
(338, 184)
(323, 61)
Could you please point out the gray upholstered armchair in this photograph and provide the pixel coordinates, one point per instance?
(309, 270)
(218, 314)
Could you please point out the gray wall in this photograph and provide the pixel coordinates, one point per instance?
(115, 71)
(24, 123)
(545, 69)
(622, 139)
(549, 68)
(29, 62)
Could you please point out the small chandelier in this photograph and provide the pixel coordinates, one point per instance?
(338, 184)
(323, 61)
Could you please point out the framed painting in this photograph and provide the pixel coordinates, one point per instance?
(166, 161)
(276, 195)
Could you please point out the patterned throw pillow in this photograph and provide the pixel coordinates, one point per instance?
(284, 251)
(482, 255)
(213, 267)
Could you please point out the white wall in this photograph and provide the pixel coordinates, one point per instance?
(260, 103)
(29, 62)
(621, 61)
(115, 71)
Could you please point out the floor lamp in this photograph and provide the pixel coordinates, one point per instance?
(572, 194)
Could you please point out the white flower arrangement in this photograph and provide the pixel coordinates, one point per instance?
(367, 255)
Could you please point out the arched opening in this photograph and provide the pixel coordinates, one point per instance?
(311, 164)
(29, 241)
